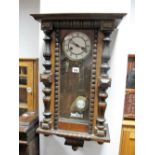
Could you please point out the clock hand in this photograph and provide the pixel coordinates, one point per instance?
(77, 45)
(84, 49)
(72, 42)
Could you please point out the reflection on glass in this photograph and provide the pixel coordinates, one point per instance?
(131, 79)
(75, 88)
(130, 82)
(22, 95)
(22, 70)
(23, 80)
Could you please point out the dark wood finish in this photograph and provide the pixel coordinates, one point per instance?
(104, 83)
(100, 26)
(73, 127)
(103, 21)
(47, 78)
(80, 135)
(28, 138)
(74, 142)
(79, 16)
(57, 78)
(93, 82)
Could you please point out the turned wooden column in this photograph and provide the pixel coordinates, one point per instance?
(46, 79)
(57, 79)
(93, 81)
(104, 83)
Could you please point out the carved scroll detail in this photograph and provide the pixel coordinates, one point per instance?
(47, 78)
(104, 83)
(75, 142)
(93, 82)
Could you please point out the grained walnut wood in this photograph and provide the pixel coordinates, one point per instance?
(47, 79)
(73, 134)
(57, 77)
(73, 126)
(93, 82)
(104, 83)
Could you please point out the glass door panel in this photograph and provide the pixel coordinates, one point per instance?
(75, 79)
(22, 80)
(26, 86)
(22, 70)
(23, 96)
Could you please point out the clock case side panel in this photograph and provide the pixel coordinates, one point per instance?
(52, 109)
(98, 72)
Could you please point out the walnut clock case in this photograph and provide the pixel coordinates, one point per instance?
(75, 78)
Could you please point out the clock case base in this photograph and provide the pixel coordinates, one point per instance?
(76, 139)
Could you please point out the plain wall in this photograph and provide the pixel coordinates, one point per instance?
(28, 29)
(122, 44)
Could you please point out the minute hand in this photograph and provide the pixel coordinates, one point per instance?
(77, 45)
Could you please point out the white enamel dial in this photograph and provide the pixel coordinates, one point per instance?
(76, 46)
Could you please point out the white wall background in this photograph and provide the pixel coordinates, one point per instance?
(28, 29)
(121, 45)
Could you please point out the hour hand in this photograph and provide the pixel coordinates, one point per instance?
(72, 42)
(83, 49)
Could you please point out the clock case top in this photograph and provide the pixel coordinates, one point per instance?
(102, 23)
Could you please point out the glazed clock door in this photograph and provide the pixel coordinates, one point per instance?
(25, 86)
(75, 79)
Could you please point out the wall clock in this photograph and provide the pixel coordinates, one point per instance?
(76, 75)
(76, 46)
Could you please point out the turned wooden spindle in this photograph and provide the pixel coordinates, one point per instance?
(47, 78)
(104, 83)
(93, 82)
(57, 77)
